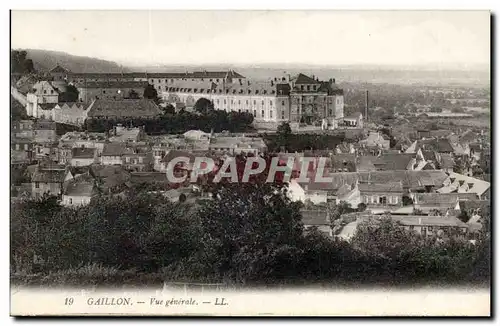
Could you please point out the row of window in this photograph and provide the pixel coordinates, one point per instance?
(217, 101)
(380, 200)
(18, 147)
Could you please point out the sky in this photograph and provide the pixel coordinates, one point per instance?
(135, 38)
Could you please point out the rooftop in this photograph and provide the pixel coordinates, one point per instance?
(112, 84)
(124, 108)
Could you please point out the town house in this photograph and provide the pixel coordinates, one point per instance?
(83, 156)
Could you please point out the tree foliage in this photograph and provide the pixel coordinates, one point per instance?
(70, 95)
(246, 234)
(174, 123)
(20, 62)
(204, 105)
(150, 92)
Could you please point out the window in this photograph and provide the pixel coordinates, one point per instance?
(255, 113)
(302, 87)
(308, 87)
(37, 185)
(217, 101)
(262, 113)
(224, 101)
(104, 91)
(270, 103)
(239, 102)
(383, 200)
(45, 91)
(17, 147)
(262, 102)
(270, 114)
(25, 146)
(412, 227)
(254, 102)
(71, 201)
(51, 91)
(283, 103)
(283, 115)
(430, 228)
(247, 102)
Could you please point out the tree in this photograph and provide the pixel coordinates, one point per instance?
(251, 232)
(20, 63)
(169, 109)
(132, 94)
(336, 211)
(203, 105)
(70, 95)
(283, 133)
(150, 92)
(361, 207)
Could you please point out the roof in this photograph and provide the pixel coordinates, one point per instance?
(124, 108)
(479, 187)
(410, 179)
(343, 161)
(283, 89)
(58, 69)
(418, 220)
(447, 161)
(429, 155)
(110, 175)
(79, 188)
(385, 162)
(125, 134)
(82, 135)
(49, 176)
(303, 79)
(382, 187)
(148, 177)
(83, 152)
(112, 84)
(115, 149)
(439, 199)
(314, 217)
(442, 133)
(468, 136)
(441, 145)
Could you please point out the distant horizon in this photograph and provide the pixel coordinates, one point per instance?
(430, 66)
(434, 39)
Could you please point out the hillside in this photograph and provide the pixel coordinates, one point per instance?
(45, 60)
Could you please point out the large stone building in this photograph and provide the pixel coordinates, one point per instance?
(300, 99)
(295, 99)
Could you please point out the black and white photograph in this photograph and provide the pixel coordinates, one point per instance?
(250, 163)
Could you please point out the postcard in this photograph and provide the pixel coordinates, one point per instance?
(250, 163)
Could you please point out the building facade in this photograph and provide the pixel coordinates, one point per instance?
(300, 99)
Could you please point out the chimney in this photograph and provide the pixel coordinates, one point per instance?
(272, 83)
